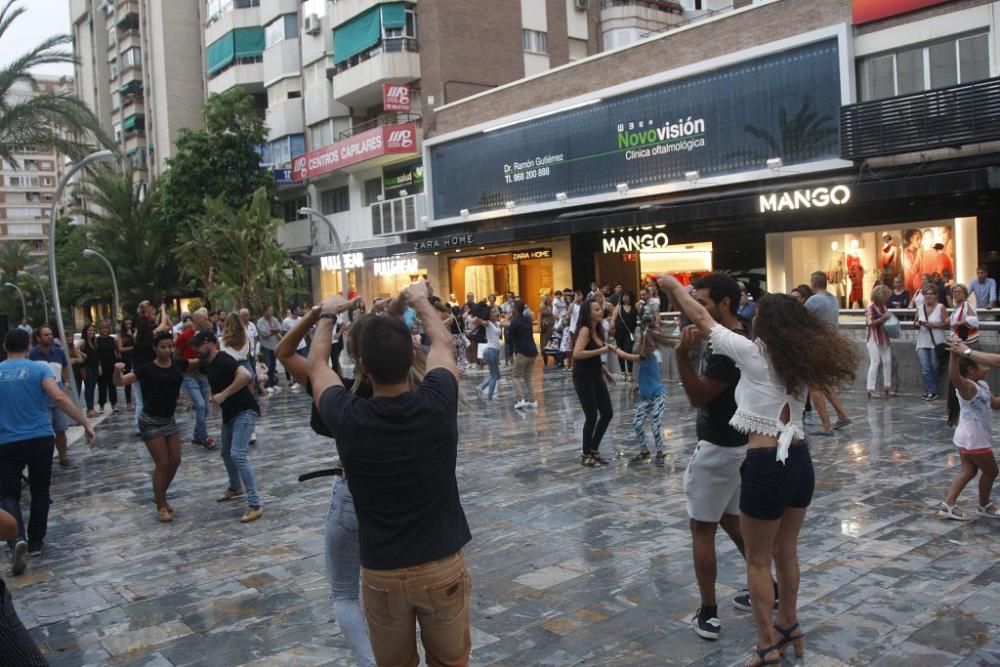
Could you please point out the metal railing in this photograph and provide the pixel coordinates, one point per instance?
(387, 45)
(966, 113)
(390, 118)
(662, 5)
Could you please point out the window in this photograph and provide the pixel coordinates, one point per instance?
(25, 230)
(14, 181)
(928, 67)
(282, 28)
(23, 213)
(373, 190)
(132, 58)
(113, 66)
(321, 134)
(281, 151)
(409, 29)
(337, 200)
(290, 209)
(112, 36)
(535, 41)
(115, 100)
(118, 132)
(578, 49)
(47, 181)
(294, 94)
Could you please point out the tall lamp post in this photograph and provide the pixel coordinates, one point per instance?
(53, 278)
(24, 308)
(336, 241)
(114, 280)
(41, 290)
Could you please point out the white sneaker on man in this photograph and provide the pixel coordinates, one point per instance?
(521, 404)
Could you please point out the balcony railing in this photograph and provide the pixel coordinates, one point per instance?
(968, 113)
(662, 5)
(387, 45)
(392, 118)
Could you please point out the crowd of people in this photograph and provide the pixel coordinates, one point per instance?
(384, 378)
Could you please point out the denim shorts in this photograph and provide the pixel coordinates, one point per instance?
(768, 486)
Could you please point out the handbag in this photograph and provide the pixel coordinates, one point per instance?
(892, 326)
(940, 349)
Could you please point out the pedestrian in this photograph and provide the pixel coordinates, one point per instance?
(623, 329)
(341, 544)
(900, 298)
(984, 288)
(194, 384)
(801, 293)
(712, 477)
(107, 357)
(161, 382)
(91, 367)
(931, 322)
(491, 355)
(147, 319)
(126, 343)
(399, 450)
(269, 330)
(451, 316)
(237, 343)
(27, 388)
(877, 341)
(47, 352)
(303, 344)
(825, 307)
(652, 401)
(969, 412)
(748, 307)
(590, 380)
(793, 351)
(521, 339)
(964, 320)
(16, 645)
(546, 318)
(240, 411)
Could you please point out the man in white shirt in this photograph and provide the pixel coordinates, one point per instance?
(302, 349)
(269, 333)
(558, 306)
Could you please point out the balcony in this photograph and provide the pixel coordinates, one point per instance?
(127, 13)
(398, 216)
(246, 72)
(357, 81)
(624, 21)
(967, 113)
(285, 117)
(342, 11)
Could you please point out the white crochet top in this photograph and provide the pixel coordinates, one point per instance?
(760, 395)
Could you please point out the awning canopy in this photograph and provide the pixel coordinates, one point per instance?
(365, 30)
(219, 54)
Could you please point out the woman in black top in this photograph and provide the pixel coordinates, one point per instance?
(107, 357)
(160, 383)
(126, 342)
(91, 368)
(623, 323)
(589, 376)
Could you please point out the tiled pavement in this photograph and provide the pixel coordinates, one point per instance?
(570, 565)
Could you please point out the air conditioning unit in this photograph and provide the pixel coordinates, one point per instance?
(109, 8)
(581, 5)
(311, 25)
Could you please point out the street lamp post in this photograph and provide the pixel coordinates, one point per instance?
(53, 278)
(114, 280)
(24, 307)
(41, 290)
(336, 242)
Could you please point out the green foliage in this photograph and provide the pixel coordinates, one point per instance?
(15, 262)
(237, 253)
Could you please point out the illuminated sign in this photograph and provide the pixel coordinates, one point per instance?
(532, 253)
(866, 11)
(838, 195)
(395, 267)
(636, 242)
(446, 242)
(352, 260)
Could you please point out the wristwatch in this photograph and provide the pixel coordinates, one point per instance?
(968, 352)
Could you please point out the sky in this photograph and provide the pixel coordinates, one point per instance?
(43, 19)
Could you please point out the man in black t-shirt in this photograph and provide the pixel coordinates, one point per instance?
(399, 450)
(229, 381)
(712, 479)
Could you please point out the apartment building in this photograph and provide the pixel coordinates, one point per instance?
(27, 188)
(140, 71)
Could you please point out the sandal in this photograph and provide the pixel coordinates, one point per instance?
(989, 511)
(588, 460)
(798, 641)
(953, 512)
(760, 655)
(596, 456)
(640, 457)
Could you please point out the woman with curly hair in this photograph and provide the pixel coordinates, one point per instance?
(792, 352)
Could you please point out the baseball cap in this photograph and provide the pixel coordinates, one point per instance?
(204, 337)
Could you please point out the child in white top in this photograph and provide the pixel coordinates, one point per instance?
(969, 413)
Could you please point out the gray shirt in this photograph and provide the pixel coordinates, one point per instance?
(824, 306)
(268, 341)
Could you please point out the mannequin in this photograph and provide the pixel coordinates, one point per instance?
(856, 272)
(913, 256)
(891, 260)
(835, 274)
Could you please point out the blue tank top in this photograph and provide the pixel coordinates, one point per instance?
(649, 378)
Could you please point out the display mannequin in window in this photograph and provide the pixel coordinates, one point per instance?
(892, 263)
(913, 257)
(836, 274)
(856, 272)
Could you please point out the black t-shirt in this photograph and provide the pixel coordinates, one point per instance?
(221, 372)
(519, 335)
(713, 419)
(399, 454)
(143, 352)
(161, 387)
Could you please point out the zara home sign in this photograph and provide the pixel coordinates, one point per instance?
(794, 200)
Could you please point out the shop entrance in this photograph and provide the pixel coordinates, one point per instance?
(501, 273)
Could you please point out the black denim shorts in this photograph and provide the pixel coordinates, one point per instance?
(768, 487)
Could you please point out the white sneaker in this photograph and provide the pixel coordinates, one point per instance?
(276, 389)
(520, 404)
(531, 404)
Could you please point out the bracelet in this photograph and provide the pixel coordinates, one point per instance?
(329, 316)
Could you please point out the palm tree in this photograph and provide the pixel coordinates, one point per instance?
(14, 258)
(56, 119)
(804, 136)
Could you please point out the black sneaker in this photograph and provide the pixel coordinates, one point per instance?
(743, 603)
(19, 559)
(660, 460)
(35, 549)
(708, 628)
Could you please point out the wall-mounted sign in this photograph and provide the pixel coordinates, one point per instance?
(532, 253)
(635, 242)
(409, 177)
(446, 242)
(396, 97)
(283, 177)
(727, 121)
(352, 260)
(389, 266)
(373, 143)
(866, 11)
(794, 200)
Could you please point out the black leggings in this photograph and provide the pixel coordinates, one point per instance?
(594, 399)
(106, 389)
(624, 341)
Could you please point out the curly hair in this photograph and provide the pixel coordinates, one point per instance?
(233, 333)
(805, 352)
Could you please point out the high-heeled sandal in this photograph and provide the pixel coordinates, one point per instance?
(760, 654)
(798, 642)
(596, 456)
(588, 461)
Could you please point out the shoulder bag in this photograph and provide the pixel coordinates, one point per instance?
(940, 349)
